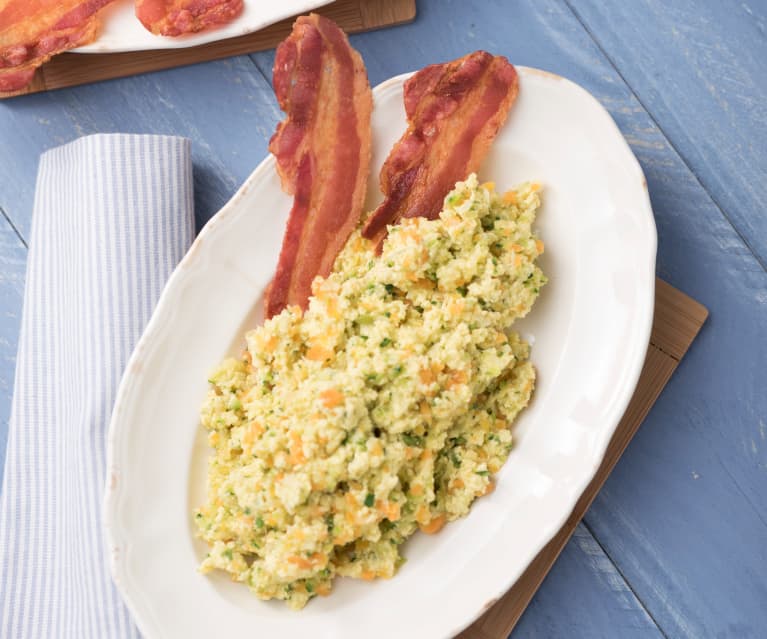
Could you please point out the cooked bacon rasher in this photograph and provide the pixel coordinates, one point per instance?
(454, 111)
(176, 17)
(31, 31)
(322, 150)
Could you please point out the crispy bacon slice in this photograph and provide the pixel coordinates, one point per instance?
(176, 17)
(31, 31)
(322, 150)
(454, 112)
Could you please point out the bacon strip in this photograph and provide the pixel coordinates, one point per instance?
(454, 112)
(322, 150)
(176, 17)
(31, 31)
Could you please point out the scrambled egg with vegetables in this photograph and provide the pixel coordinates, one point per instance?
(383, 409)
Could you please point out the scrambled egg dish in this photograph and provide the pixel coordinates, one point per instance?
(383, 409)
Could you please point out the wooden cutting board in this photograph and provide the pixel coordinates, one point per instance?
(678, 318)
(71, 69)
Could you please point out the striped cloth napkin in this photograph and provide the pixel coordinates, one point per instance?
(113, 214)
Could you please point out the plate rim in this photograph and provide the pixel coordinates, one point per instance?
(204, 37)
(111, 499)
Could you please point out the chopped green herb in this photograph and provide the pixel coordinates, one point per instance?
(385, 342)
(259, 522)
(483, 473)
(463, 290)
(309, 586)
(412, 440)
(227, 553)
(370, 499)
(363, 320)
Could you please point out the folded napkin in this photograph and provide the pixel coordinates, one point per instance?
(113, 214)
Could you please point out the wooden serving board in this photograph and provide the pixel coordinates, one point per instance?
(678, 318)
(72, 69)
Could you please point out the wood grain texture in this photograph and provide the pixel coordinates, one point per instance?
(668, 336)
(73, 69)
(682, 515)
(699, 67)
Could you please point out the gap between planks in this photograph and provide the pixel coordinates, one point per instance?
(667, 137)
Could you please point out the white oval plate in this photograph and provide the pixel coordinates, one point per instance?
(120, 29)
(590, 327)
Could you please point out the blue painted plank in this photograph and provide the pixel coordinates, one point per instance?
(225, 107)
(585, 596)
(13, 256)
(699, 67)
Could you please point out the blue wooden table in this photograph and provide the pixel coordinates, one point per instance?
(676, 543)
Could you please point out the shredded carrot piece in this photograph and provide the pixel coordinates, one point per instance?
(318, 353)
(426, 375)
(307, 563)
(434, 526)
(510, 197)
(416, 490)
(488, 489)
(301, 562)
(331, 398)
(368, 575)
(490, 186)
(456, 308)
(389, 509)
(457, 377)
(296, 449)
(266, 344)
(539, 246)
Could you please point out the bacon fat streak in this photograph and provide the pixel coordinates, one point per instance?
(322, 150)
(454, 112)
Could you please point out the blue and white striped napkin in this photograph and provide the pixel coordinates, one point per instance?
(113, 214)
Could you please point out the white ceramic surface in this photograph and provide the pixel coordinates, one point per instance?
(590, 327)
(120, 30)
